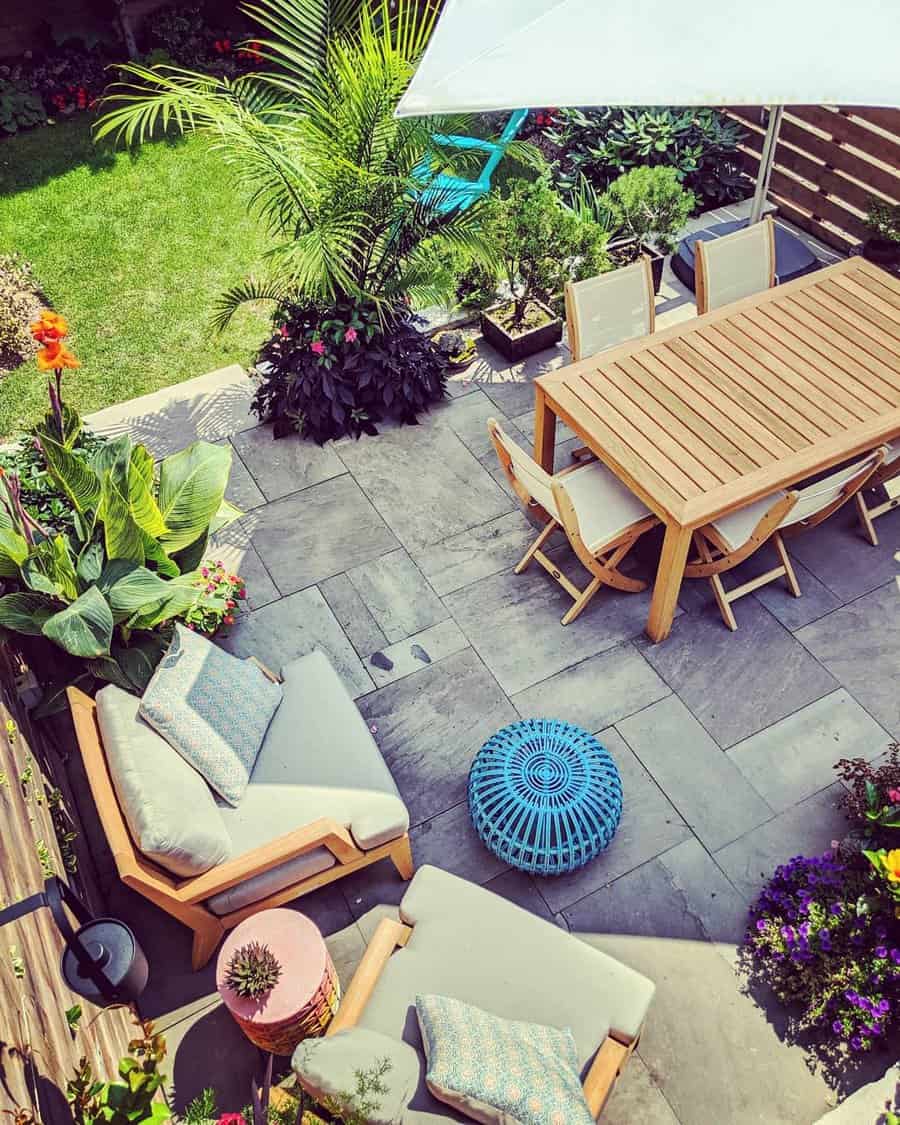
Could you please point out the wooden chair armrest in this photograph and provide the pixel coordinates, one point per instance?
(385, 940)
(605, 1068)
(267, 672)
(323, 832)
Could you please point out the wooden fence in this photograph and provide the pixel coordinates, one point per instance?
(38, 1048)
(828, 163)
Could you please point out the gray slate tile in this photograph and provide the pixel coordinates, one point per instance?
(517, 887)
(513, 620)
(681, 894)
(649, 826)
(287, 465)
(242, 490)
(510, 385)
(737, 683)
(424, 482)
(839, 556)
(416, 652)
(318, 533)
(595, 693)
(699, 779)
(232, 547)
(636, 1097)
(395, 592)
(860, 646)
(468, 417)
(793, 758)
(450, 842)
(356, 621)
(807, 828)
(475, 554)
(290, 628)
(431, 725)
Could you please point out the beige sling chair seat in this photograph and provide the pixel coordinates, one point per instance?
(735, 265)
(888, 476)
(601, 518)
(728, 540)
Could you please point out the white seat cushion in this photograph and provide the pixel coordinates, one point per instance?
(737, 527)
(604, 506)
(893, 451)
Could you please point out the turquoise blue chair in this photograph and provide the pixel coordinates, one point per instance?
(446, 192)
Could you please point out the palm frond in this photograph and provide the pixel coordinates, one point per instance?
(244, 293)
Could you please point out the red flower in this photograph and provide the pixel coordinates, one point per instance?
(284, 330)
(226, 44)
(228, 620)
(232, 1119)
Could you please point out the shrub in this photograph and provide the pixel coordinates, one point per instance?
(873, 791)
(883, 220)
(541, 242)
(17, 305)
(474, 281)
(20, 108)
(69, 78)
(339, 370)
(700, 144)
(825, 939)
(648, 204)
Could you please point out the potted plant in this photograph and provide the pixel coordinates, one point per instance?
(541, 244)
(648, 207)
(457, 348)
(883, 244)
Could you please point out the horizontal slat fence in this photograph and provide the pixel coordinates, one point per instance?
(828, 163)
(38, 1050)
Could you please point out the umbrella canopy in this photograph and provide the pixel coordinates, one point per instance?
(511, 54)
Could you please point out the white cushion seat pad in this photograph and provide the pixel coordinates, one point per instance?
(605, 507)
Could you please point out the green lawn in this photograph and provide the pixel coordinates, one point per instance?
(133, 249)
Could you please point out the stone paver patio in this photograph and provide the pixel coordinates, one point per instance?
(394, 555)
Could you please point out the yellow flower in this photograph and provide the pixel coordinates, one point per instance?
(891, 864)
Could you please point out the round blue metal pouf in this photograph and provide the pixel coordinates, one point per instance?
(544, 796)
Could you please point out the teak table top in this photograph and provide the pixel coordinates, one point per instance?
(706, 416)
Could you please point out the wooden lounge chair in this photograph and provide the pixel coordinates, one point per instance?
(299, 825)
(607, 310)
(735, 265)
(601, 518)
(888, 476)
(728, 540)
(460, 940)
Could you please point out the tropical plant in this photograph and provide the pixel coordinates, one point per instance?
(648, 205)
(541, 243)
(883, 220)
(702, 145)
(132, 1101)
(871, 797)
(219, 606)
(17, 303)
(314, 142)
(823, 936)
(335, 369)
(252, 970)
(105, 593)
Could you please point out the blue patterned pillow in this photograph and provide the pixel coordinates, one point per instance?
(501, 1071)
(212, 708)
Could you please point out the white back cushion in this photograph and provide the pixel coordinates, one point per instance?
(529, 473)
(607, 310)
(815, 497)
(737, 264)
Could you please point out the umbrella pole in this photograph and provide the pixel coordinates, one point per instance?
(766, 160)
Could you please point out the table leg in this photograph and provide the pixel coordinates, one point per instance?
(544, 431)
(668, 581)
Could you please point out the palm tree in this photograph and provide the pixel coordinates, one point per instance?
(313, 141)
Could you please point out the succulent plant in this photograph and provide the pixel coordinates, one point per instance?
(452, 343)
(253, 970)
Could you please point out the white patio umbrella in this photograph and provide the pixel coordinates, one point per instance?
(509, 54)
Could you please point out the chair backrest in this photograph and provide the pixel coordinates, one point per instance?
(820, 499)
(735, 265)
(607, 310)
(509, 133)
(529, 480)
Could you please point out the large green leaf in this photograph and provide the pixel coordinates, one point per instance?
(227, 513)
(139, 658)
(144, 508)
(155, 554)
(190, 557)
(73, 475)
(90, 562)
(105, 668)
(13, 552)
(181, 594)
(191, 489)
(49, 569)
(130, 588)
(122, 534)
(83, 628)
(26, 613)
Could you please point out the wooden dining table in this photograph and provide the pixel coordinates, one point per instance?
(708, 415)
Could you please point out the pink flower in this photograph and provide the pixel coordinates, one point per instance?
(317, 347)
(283, 330)
(232, 1119)
(894, 796)
(350, 335)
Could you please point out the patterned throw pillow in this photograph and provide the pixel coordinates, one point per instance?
(498, 1071)
(212, 708)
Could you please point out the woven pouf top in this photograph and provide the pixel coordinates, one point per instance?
(544, 796)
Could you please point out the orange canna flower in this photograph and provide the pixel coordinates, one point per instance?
(49, 327)
(53, 356)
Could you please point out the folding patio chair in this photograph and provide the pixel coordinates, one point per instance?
(888, 476)
(728, 540)
(734, 265)
(601, 518)
(610, 309)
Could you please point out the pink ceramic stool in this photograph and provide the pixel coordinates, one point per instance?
(307, 994)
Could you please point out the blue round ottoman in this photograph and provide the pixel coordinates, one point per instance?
(544, 796)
